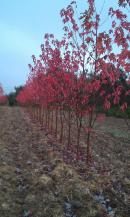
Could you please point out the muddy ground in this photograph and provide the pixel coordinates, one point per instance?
(35, 182)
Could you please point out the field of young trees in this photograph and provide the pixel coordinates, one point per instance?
(66, 143)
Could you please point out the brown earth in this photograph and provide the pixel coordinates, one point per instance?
(35, 182)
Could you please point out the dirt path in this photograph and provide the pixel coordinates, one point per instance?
(17, 161)
(34, 182)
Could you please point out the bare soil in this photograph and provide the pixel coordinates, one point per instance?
(36, 182)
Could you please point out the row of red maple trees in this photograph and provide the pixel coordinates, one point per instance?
(3, 98)
(76, 75)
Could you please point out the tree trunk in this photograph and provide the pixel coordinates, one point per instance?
(62, 125)
(56, 121)
(79, 125)
(69, 127)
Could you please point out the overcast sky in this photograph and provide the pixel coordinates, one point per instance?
(23, 24)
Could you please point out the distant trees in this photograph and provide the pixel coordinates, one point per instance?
(12, 96)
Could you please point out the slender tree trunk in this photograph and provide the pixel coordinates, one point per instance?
(88, 160)
(56, 121)
(79, 125)
(35, 113)
(39, 115)
(69, 127)
(46, 117)
(89, 153)
(62, 125)
(52, 121)
(42, 117)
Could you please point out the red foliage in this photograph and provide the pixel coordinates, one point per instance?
(83, 69)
